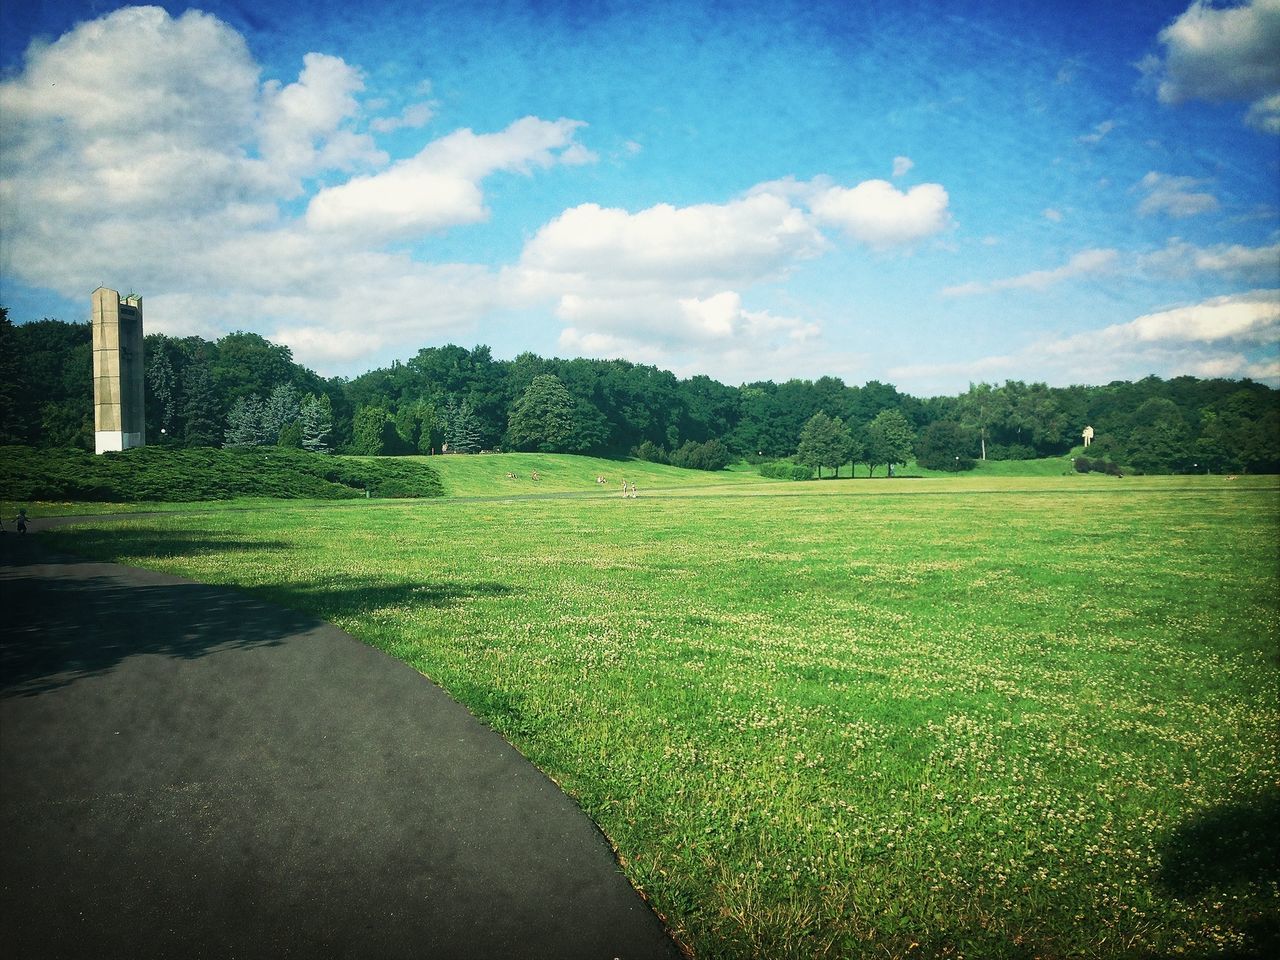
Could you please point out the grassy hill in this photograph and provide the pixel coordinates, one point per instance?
(485, 475)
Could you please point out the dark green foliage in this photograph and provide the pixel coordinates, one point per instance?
(651, 452)
(712, 455)
(373, 433)
(155, 473)
(889, 441)
(201, 413)
(1085, 465)
(946, 445)
(786, 470)
(1220, 425)
(542, 419)
(824, 442)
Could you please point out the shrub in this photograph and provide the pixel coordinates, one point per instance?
(183, 475)
(712, 455)
(650, 451)
(786, 470)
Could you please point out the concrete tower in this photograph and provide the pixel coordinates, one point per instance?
(118, 395)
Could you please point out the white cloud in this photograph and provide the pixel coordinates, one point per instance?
(1182, 259)
(1223, 54)
(1174, 196)
(902, 166)
(1052, 215)
(1252, 317)
(1084, 263)
(439, 187)
(412, 117)
(300, 128)
(1229, 336)
(878, 214)
(1099, 131)
(696, 248)
(174, 174)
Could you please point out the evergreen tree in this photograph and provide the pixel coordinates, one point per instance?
(542, 419)
(162, 403)
(244, 424)
(282, 408)
(373, 432)
(317, 423)
(461, 430)
(201, 421)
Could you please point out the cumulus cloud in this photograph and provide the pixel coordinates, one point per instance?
(902, 166)
(1174, 196)
(1252, 317)
(1228, 336)
(698, 247)
(440, 187)
(1084, 263)
(176, 172)
(1223, 54)
(1182, 259)
(876, 213)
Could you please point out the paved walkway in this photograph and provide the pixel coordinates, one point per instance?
(186, 771)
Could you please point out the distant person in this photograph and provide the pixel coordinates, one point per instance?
(21, 521)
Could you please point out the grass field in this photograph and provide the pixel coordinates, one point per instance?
(977, 716)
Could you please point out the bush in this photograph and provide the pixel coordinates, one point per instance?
(1085, 465)
(651, 452)
(204, 473)
(712, 455)
(786, 470)
(1011, 451)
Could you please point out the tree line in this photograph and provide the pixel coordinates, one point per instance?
(243, 390)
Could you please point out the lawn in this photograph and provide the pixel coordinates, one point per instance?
(978, 716)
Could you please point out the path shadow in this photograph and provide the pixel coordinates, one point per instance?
(68, 620)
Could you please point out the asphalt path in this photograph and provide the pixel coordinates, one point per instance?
(186, 771)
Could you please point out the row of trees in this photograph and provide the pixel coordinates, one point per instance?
(231, 390)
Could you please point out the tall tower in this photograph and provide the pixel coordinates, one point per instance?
(118, 396)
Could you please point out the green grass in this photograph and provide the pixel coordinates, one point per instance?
(486, 474)
(982, 716)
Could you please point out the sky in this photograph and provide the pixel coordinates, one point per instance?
(927, 194)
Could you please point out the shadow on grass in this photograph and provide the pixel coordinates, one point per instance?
(67, 620)
(1226, 851)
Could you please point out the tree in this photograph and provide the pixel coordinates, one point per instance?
(373, 432)
(201, 419)
(981, 408)
(12, 388)
(945, 445)
(889, 440)
(316, 420)
(244, 424)
(824, 442)
(281, 409)
(542, 419)
(162, 403)
(461, 428)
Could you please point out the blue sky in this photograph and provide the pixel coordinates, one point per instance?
(927, 194)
